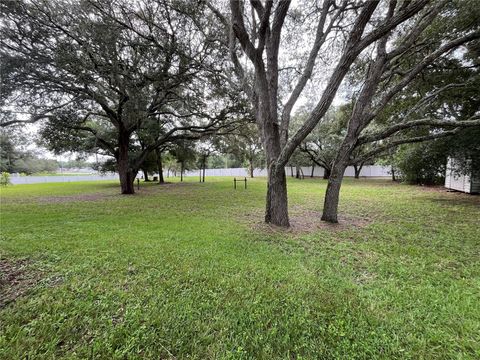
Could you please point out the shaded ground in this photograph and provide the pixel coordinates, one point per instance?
(304, 221)
(16, 278)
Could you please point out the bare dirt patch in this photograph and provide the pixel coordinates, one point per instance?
(178, 188)
(305, 221)
(16, 279)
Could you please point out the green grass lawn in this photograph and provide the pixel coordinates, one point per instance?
(189, 271)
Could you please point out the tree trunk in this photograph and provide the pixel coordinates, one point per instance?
(313, 170)
(326, 173)
(276, 209)
(145, 175)
(125, 172)
(332, 195)
(250, 167)
(181, 171)
(158, 153)
(291, 170)
(204, 166)
(358, 169)
(299, 173)
(277, 203)
(393, 174)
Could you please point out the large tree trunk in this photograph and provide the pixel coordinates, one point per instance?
(277, 203)
(158, 153)
(332, 195)
(326, 173)
(125, 172)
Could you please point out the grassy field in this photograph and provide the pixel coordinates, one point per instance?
(189, 271)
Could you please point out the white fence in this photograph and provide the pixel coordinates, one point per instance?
(59, 179)
(367, 171)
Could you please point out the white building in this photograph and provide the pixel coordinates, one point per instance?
(468, 183)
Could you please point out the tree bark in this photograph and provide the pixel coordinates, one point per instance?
(313, 170)
(393, 174)
(326, 173)
(332, 195)
(125, 172)
(181, 171)
(158, 153)
(277, 203)
(250, 167)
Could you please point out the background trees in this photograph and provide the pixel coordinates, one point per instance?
(15, 157)
(425, 163)
(244, 145)
(100, 72)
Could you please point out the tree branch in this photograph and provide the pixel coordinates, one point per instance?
(471, 122)
(395, 143)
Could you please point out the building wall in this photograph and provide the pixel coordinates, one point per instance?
(464, 183)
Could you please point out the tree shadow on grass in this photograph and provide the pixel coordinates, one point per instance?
(452, 199)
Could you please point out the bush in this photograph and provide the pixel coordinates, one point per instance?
(421, 163)
(5, 179)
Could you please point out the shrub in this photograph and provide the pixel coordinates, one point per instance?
(5, 179)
